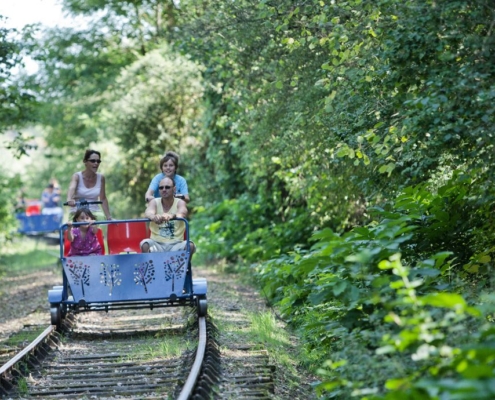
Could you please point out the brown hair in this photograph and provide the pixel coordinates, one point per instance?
(170, 155)
(84, 210)
(88, 154)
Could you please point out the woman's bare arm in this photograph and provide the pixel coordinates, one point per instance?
(104, 200)
(72, 190)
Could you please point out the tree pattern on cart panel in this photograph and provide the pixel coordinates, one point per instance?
(79, 272)
(110, 275)
(175, 267)
(144, 274)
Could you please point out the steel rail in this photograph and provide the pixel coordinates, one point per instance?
(32, 346)
(196, 368)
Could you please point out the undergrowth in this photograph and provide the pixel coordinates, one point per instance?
(397, 309)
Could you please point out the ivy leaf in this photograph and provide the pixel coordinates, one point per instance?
(447, 300)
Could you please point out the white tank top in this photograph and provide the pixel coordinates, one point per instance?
(92, 194)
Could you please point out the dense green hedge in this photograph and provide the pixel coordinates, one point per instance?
(383, 322)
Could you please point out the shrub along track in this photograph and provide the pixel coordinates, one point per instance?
(248, 370)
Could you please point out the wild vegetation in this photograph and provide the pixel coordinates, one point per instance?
(342, 150)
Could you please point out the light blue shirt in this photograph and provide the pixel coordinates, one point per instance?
(180, 184)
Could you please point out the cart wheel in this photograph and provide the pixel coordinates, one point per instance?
(202, 307)
(56, 315)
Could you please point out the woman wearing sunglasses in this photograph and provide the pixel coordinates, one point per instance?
(90, 186)
(168, 165)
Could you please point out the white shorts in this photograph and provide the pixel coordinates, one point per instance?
(52, 211)
(159, 247)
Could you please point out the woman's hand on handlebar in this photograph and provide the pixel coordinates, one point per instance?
(81, 203)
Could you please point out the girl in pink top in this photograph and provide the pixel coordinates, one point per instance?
(84, 241)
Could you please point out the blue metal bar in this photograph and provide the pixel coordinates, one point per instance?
(117, 221)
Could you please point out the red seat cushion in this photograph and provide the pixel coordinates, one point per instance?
(125, 237)
(33, 209)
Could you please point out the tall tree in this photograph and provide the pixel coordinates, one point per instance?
(153, 107)
(17, 102)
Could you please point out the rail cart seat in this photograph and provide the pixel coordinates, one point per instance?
(99, 236)
(33, 209)
(125, 237)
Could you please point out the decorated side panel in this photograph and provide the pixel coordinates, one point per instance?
(126, 277)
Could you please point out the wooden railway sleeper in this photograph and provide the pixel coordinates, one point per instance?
(202, 394)
(5, 386)
(212, 369)
(205, 388)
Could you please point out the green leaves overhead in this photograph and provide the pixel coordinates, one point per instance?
(17, 102)
(153, 107)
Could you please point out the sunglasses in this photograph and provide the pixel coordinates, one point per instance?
(164, 187)
(94, 161)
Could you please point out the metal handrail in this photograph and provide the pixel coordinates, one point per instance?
(118, 221)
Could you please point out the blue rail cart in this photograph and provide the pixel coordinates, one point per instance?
(33, 222)
(125, 278)
(38, 224)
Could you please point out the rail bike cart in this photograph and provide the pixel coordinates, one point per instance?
(125, 278)
(33, 223)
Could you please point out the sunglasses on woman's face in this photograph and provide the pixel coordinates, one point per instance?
(164, 187)
(94, 161)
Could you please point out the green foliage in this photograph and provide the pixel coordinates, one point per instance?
(76, 68)
(229, 221)
(353, 296)
(8, 193)
(16, 101)
(153, 106)
(363, 128)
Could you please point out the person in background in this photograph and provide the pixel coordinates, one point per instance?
(89, 185)
(21, 204)
(56, 186)
(167, 234)
(84, 241)
(169, 164)
(51, 201)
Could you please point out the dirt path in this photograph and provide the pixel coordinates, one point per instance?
(24, 300)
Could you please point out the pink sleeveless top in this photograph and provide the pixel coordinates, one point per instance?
(89, 246)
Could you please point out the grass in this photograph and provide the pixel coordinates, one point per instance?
(22, 386)
(264, 332)
(261, 330)
(24, 336)
(265, 329)
(171, 346)
(26, 255)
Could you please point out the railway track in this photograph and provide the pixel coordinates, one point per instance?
(159, 354)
